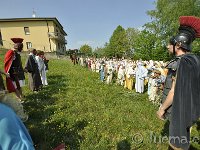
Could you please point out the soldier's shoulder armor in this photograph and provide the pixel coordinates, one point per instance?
(173, 64)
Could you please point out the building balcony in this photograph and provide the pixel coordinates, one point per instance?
(57, 36)
(53, 35)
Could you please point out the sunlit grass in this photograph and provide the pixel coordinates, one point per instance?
(80, 111)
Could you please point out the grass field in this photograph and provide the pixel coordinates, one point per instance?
(80, 111)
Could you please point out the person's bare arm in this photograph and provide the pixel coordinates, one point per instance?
(168, 102)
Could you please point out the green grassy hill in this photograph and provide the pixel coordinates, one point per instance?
(80, 111)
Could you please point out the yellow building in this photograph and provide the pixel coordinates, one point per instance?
(45, 34)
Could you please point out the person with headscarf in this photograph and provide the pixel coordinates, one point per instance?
(121, 75)
(150, 67)
(140, 75)
(109, 73)
(130, 75)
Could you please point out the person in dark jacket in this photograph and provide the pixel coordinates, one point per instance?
(34, 79)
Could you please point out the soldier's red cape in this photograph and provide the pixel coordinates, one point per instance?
(8, 59)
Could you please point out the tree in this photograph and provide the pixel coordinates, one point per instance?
(144, 45)
(86, 49)
(99, 52)
(131, 34)
(118, 43)
(166, 19)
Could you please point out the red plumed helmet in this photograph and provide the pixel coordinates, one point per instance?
(17, 40)
(192, 22)
(189, 29)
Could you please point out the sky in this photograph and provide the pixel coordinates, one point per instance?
(89, 22)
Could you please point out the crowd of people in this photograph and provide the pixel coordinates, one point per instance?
(130, 74)
(12, 111)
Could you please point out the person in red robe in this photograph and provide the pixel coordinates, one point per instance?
(13, 66)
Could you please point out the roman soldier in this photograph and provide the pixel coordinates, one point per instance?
(13, 66)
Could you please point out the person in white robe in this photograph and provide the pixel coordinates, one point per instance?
(109, 73)
(130, 75)
(98, 64)
(42, 67)
(93, 66)
(121, 75)
(150, 67)
(81, 61)
(141, 73)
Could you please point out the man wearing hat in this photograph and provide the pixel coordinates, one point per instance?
(184, 95)
(13, 66)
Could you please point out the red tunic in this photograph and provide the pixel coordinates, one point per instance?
(9, 56)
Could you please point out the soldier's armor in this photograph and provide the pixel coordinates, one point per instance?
(16, 68)
(172, 67)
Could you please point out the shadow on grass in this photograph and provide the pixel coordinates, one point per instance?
(64, 134)
(36, 102)
(123, 145)
(72, 138)
(38, 110)
(165, 130)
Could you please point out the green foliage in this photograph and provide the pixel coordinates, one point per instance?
(86, 49)
(196, 47)
(118, 43)
(165, 22)
(145, 47)
(132, 34)
(100, 52)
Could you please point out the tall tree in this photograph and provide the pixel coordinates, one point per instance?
(118, 44)
(86, 49)
(144, 45)
(131, 34)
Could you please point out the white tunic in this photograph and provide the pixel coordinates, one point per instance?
(141, 73)
(42, 70)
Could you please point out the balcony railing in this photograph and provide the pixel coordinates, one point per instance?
(53, 35)
(57, 36)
